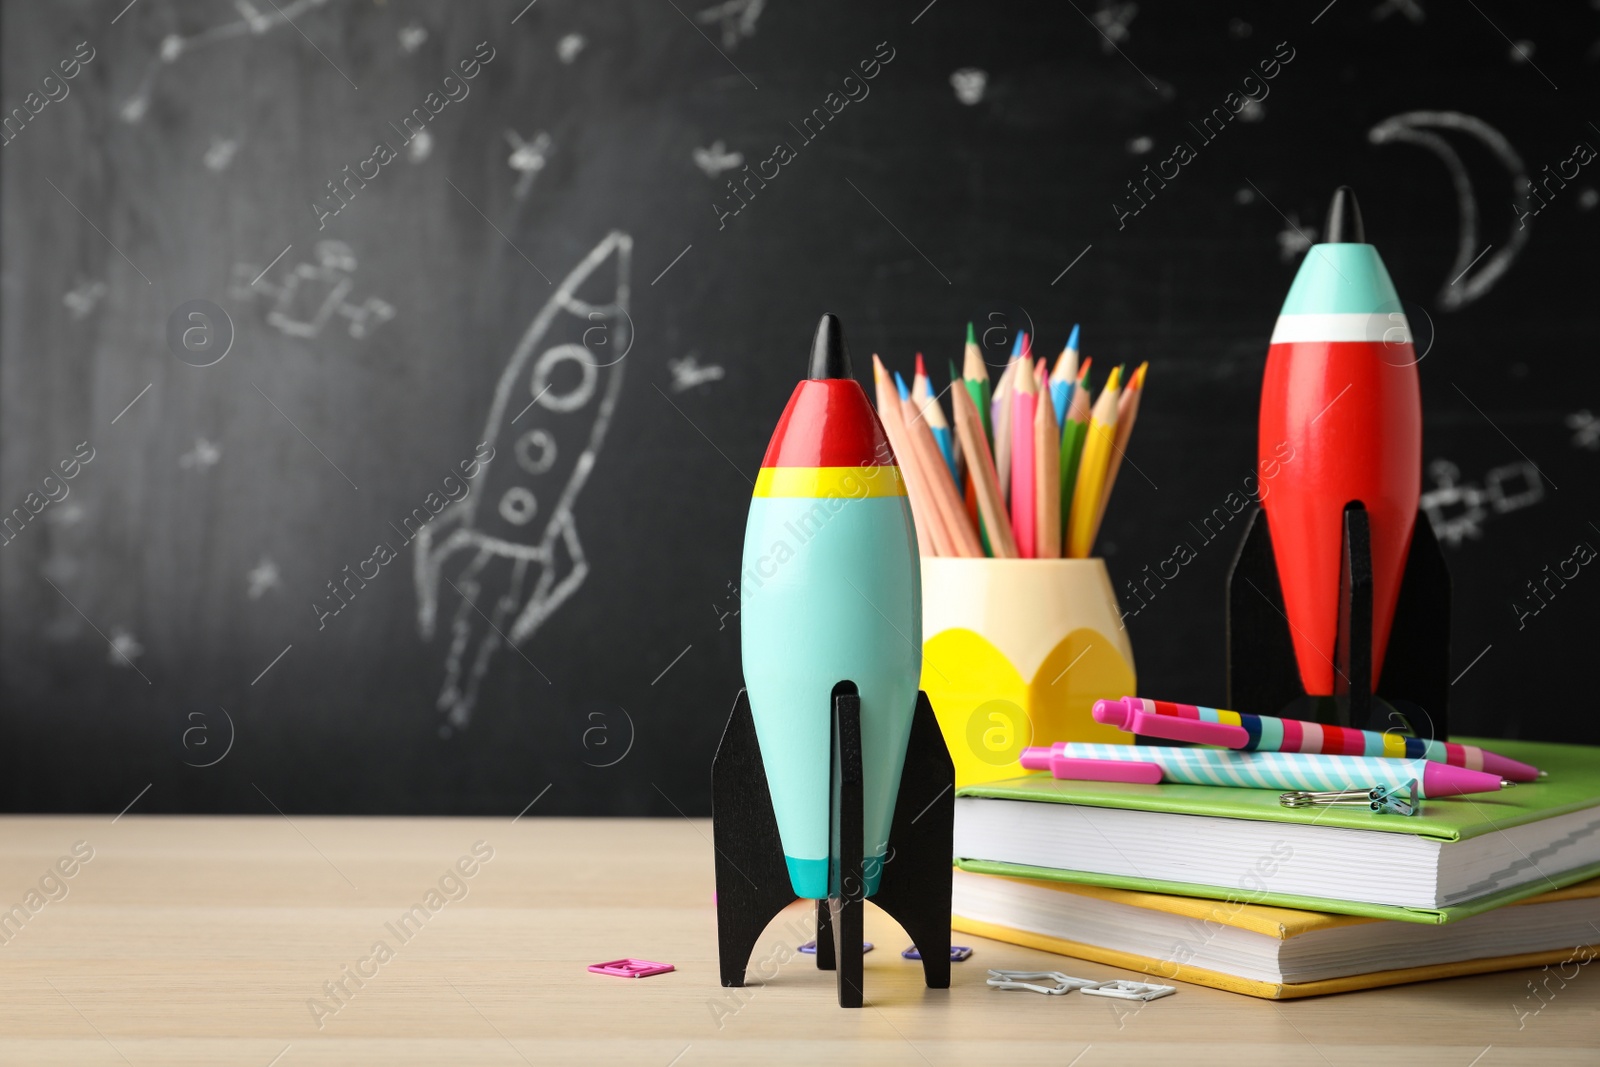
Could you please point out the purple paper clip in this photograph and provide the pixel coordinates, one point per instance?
(957, 953)
(810, 947)
(631, 968)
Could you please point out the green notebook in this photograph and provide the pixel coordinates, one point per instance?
(1461, 856)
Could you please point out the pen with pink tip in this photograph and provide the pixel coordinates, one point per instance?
(1311, 772)
(1263, 733)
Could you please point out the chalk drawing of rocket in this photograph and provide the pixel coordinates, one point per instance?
(508, 554)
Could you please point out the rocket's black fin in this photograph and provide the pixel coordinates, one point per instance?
(1262, 676)
(848, 815)
(1352, 648)
(1416, 665)
(915, 888)
(752, 878)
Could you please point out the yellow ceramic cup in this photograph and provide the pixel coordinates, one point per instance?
(1015, 653)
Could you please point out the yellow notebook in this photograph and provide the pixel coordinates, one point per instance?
(1271, 952)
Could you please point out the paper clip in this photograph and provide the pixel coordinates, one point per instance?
(1122, 989)
(1381, 799)
(630, 968)
(957, 953)
(810, 947)
(1029, 980)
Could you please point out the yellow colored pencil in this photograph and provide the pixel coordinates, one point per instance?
(1092, 471)
(1127, 412)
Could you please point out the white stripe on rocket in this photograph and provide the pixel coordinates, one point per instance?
(1379, 327)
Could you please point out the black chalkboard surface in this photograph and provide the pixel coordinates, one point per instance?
(279, 278)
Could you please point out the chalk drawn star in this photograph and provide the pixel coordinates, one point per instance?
(1585, 429)
(1294, 238)
(124, 649)
(969, 84)
(688, 373)
(736, 17)
(717, 158)
(82, 301)
(568, 47)
(262, 577)
(1113, 19)
(528, 158)
(220, 153)
(203, 455)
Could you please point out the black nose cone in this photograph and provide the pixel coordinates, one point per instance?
(829, 357)
(1344, 218)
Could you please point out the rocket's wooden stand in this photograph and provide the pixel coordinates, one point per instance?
(1262, 675)
(753, 881)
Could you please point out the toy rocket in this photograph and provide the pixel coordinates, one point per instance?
(1341, 392)
(831, 593)
(1340, 469)
(832, 780)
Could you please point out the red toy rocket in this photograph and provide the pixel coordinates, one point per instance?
(1340, 468)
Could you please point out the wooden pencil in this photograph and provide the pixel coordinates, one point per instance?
(986, 484)
(931, 537)
(1127, 412)
(1047, 480)
(1092, 471)
(1024, 516)
(963, 538)
(1002, 426)
(975, 375)
(1072, 436)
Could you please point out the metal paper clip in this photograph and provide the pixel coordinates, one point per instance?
(1122, 989)
(1381, 799)
(1060, 983)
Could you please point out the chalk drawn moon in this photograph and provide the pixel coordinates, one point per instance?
(193, 745)
(1417, 127)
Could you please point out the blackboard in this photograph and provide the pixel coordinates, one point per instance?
(265, 267)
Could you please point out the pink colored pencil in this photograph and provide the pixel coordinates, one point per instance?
(1024, 521)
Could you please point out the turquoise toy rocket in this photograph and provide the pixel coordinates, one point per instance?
(814, 793)
(831, 591)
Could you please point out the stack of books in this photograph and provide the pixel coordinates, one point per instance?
(1226, 887)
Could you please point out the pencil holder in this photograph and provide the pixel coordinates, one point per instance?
(1015, 653)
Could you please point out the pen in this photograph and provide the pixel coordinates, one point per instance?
(1258, 770)
(1263, 733)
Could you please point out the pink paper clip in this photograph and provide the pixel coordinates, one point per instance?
(631, 968)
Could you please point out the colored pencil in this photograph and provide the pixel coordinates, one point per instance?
(1092, 471)
(1047, 481)
(1072, 436)
(976, 378)
(1024, 517)
(1064, 377)
(986, 484)
(963, 539)
(931, 537)
(928, 405)
(1002, 425)
(1127, 412)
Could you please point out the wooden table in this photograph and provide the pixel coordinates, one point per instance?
(211, 940)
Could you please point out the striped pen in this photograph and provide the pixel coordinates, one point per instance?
(1263, 733)
(1255, 770)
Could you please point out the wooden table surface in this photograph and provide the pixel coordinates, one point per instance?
(216, 940)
